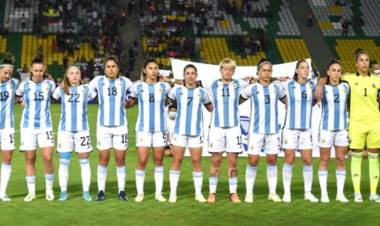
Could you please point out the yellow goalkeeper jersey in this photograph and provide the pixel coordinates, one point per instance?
(364, 90)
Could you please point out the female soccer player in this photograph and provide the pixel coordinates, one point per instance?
(73, 132)
(150, 94)
(364, 126)
(333, 130)
(225, 134)
(112, 126)
(36, 127)
(297, 130)
(188, 100)
(264, 128)
(8, 87)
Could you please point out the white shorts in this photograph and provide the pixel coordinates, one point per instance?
(112, 137)
(80, 142)
(148, 139)
(30, 138)
(187, 141)
(268, 143)
(297, 139)
(7, 139)
(225, 140)
(329, 138)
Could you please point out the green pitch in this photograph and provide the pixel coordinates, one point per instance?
(75, 211)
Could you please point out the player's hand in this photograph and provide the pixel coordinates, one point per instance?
(318, 93)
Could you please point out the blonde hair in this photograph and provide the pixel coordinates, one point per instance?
(66, 82)
(227, 62)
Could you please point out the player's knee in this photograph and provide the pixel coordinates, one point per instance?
(196, 163)
(271, 161)
(253, 161)
(307, 162)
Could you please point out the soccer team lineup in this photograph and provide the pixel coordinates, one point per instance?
(349, 126)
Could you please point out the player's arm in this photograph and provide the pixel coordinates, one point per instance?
(245, 94)
(318, 93)
(207, 101)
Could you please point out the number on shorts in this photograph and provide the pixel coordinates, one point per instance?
(49, 135)
(201, 139)
(164, 136)
(74, 98)
(239, 141)
(4, 96)
(365, 92)
(85, 141)
(124, 138)
(11, 138)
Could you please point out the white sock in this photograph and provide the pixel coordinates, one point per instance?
(140, 178)
(85, 174)
(49, 179)
(250, 177)
(174, 178)
(121, 173)
(322, 174)
(102, 176)
(232, 184)
(5, 175)
(272, 178)
(63, 173)
(213, 183)
(287, 172)
(307, 177)
(31, 184)
(159, 178)
(340, 178)
(198, 180)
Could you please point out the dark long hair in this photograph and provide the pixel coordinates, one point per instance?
(148, 61)
(295, 76)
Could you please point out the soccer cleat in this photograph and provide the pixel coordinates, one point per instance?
(358, 197)
(86, 196)
(30, 197)
(172, 198)
(374, 197)
(49, 195)
(248, 198)
(200, 198)
(101, 196)
(341, 198)
(63, 196)
(5, 198)
(310, 197)
(159, 197)
(234, 198)
(139, 197)
(274, 197)
(325, 198)
(287, 197)
(211, 198)
(122, 196)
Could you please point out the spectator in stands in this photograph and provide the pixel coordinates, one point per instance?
(345, 27)
(23, 21)
(310, 16)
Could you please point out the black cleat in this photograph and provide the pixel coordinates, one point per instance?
(122, 196)
(101, 196)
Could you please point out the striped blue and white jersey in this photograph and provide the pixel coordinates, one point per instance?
(264, 107)
(189, 109)
(112, 95)
(225, 98)
(151, 102)
(74, 107)
(299, 104)
(7, 97)
(334, 107)
(36, 97)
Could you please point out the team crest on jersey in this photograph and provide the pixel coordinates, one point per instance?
(234, 85)
(285, 141)
(356, 83)
(374, 85)
(310, 86)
